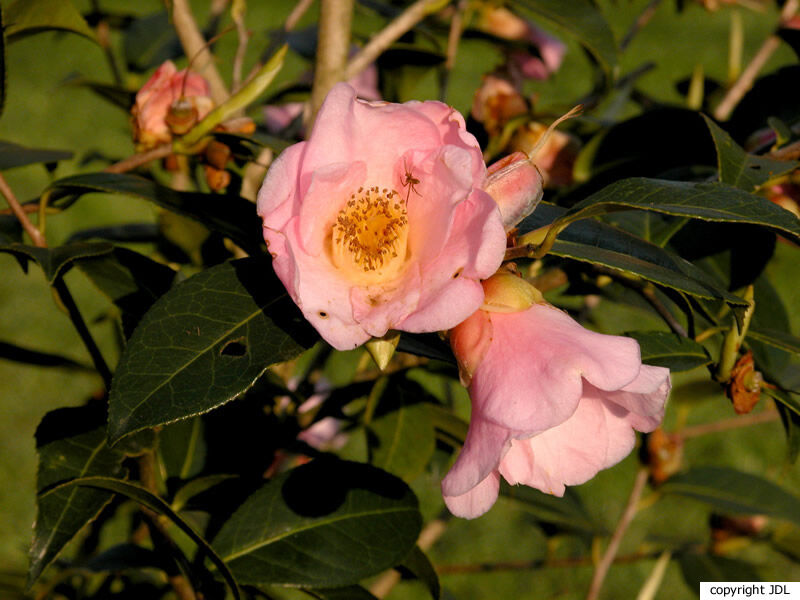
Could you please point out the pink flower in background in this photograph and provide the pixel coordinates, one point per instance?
(503, 23)
(168, 91)
(278, 117)
(380, 220)
(552, 403)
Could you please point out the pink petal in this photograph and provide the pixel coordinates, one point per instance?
(476, 501)
(597, 436)
(646, 394)
(516, 185)
(549, 354)
(483, 448)
(277, 201)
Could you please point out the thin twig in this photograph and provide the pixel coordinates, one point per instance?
(297, 13)
(137, 160)
(766, 416)
(36, 236)
(196, 49)
(642, 20)
(335, 18)
(627, 516)
(748, 76)
(237, 14)
(454, 36)
(404, 22)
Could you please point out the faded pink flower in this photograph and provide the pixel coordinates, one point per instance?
(552, 403)
(496, 102)
(169, 93)
(503, 23)
(380, 220)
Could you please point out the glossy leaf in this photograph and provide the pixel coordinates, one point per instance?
(149, 500)
(56, 261)
(735, 491)
(402, 440)
(597, 243)
(740, 169)
(13, 155)
(580, 18)
(327, 523)
(71, 443)
(785, 398)
(132, 281)
(664, 349)
(195, 487)
(232, 216)
(567, 512)
(777, 339)
(204, 343)
(706, 201)
(26, 17)
(182, 447)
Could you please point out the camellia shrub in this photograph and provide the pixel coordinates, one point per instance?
(430, 299)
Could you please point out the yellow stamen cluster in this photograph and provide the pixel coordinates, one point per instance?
(370, 231)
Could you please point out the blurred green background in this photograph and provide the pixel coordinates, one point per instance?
(43, 111)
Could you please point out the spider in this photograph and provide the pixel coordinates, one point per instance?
(410, 181)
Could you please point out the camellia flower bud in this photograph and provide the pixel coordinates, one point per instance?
(516, 185)
(496, 102)
(171, 102)
(552, 403)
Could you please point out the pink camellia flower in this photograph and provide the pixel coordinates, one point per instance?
(380, 220)
(552, 403)
(170, 100)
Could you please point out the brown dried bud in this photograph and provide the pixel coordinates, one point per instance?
(744, 387)
(181, 116)
(217, 154)
(664, 455)
(217, 179)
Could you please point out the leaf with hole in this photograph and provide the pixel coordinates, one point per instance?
(327, 523)
(204, 343)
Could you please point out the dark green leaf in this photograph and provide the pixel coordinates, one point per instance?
(13, 155)
(740, 169)
(127, 556)
(43, 359)
(131, 280)
(705, 567)
(597, 243)
(777, 339)
(204, 343)
(232, 216)
(786, 539)
(26, 17)
(451, 425)
(351, 592)
(706, 201)
(149, 41)
(734, 491)
(56, 261)
(419, 566)
(785, 398)
(664, 349)
(582, 19)
(567, 512)
(327, 523)
(195, 487)
(402, 439)
(117, 95)
(71, 443)
(149, 500)
(791, 424)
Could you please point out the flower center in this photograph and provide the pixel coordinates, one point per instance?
(370, 235)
